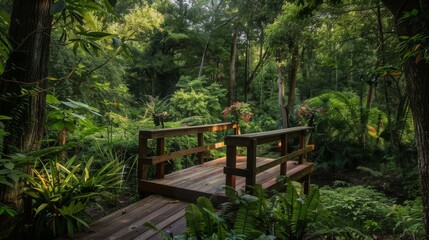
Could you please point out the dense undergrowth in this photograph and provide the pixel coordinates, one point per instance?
(86, 167)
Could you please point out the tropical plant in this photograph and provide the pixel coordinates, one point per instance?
(409, 219)
(197, 101)
(294, 212)
(60, 193)
(238, 113)
(66, 116)
(358, 207)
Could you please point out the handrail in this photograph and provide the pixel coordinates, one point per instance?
(251, 141)
(160, 134)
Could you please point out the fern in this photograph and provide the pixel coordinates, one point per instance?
(245, 221)
(194, 222)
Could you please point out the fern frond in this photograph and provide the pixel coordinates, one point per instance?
(194, 221)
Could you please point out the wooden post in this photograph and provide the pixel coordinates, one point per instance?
(237, 130)
(307, 184)
(283, 151)
(142, 168)
(200, 143)
(160, 144)
(231, 161)
(301, 146)
(251, 165)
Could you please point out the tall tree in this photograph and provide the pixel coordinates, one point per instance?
(412, 28)
(285, 36)
(23, 83)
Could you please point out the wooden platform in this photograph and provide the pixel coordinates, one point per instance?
(208, 178)
(127, 223)
(180, 188)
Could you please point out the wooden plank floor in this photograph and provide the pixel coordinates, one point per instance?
(173, 193)
(127, 223)
(207, 179)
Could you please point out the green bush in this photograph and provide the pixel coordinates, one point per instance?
(197, 101)
(357, 207)
(409, 219)
(61, 191)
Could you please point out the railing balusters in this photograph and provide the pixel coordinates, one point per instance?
(161, 134)
(251, 140)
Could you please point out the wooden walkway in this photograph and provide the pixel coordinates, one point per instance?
(178, 190)
(168, 195)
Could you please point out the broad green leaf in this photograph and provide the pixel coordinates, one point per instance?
(51, 99)
(41, 207)
(9, 165)
(69, 104)
(97, 35)
(3, 117)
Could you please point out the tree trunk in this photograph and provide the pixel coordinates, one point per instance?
(281, 90)
(23, 83)
(293, 71)
(417, 78)
(232, 70)
(24, 80)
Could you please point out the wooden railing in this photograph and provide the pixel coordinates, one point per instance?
(252, 140)
(160, 134)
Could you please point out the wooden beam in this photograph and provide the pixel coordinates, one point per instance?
(142, 168)
(264, 137)
(237, 171)
(251, 165)
(160, 148)
(180, 193)
(283, 152)
(284, 158)
(174, 132)
(181, 153)
(231, 162)
(200, 140)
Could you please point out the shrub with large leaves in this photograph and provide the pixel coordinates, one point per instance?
(60, 193)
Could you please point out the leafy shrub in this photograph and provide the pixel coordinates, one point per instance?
(197, 98)
(358, 207)
(290, 216)
(409, 219)
(60, 193)
(338, 130)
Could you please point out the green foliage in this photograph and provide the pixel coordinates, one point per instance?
(337, 129)
(294, 212)
(357, 207)
(409, 219)
(286, 215)
(5, 46)
(6, 209)
(66, 114)
(61, 191)
(196, 98)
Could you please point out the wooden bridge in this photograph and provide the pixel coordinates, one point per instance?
(167, 195)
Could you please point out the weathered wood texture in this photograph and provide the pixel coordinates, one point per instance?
(251, 142)
(207, 179)
(161, 134)
(127, 223)
(187, 185)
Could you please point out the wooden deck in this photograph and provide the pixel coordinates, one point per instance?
(208, 178)
(178, 190)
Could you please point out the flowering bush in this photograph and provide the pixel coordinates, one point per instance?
(238, 113)
(306, 114)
